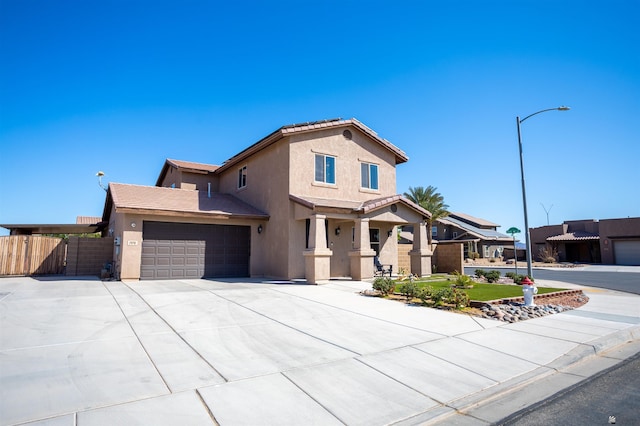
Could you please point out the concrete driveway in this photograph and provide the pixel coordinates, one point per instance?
(244, 353)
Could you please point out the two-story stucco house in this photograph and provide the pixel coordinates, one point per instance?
(310, 201)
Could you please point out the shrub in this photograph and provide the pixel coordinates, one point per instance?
(460, 298)
(492, 260)
(384, 285)
(517, 278)
(425, 293)
(473, 255)
(548, 255)
(409, 289)
(480, 273)
(462, 280)
(442, 295)
(492, 276)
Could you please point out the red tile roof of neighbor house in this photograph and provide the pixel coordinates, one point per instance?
(290, 129)
(575, 236)
(157, 200)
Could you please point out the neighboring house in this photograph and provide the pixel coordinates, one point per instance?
(609, 241)
(478, 235)
(309, 201)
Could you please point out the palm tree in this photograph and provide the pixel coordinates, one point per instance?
(430, 200)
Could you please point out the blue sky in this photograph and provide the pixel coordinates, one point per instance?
(120, 86)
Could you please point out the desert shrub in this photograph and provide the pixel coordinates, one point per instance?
(548, 255)
(492, 260)
(460, 298)
(409, 289)
(442, 295)
(425, 293)
(492, 276)
(473, 255)
(480, 273)
(462, 280)
(517, 278)
(384, 285)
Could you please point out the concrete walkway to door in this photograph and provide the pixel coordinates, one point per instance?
(233, 352)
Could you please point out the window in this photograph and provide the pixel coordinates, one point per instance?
(325, 169)
(374, 238)
(434, 231)
(242, 177)
(369, 176)
(455, 235)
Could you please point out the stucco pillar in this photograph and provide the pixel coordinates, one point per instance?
(361, 257)
(421, 253)
(317, 257)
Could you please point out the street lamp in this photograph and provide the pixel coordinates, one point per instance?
(524, 194)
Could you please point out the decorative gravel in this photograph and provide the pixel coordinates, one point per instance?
(516, 311)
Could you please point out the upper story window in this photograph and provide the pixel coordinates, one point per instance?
(434, 231)
(369, 176)
(242, 177)
(325, 169)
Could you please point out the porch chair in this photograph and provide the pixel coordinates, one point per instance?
(380, 270)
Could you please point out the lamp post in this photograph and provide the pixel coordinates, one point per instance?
(524, 195)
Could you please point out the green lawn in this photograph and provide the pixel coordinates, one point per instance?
(482, 291)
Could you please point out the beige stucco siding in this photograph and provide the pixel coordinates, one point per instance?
(266, 189)
(349, 154)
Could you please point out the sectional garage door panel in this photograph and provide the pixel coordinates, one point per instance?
(627, 252)
(181, 250)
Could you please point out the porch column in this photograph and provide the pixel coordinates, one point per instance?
(361, 257)
(421, 253)
(317, 257)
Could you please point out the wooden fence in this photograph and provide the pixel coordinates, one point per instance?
(31, 255)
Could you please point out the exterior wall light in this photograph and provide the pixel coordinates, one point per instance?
(259, 229)
(338, 230)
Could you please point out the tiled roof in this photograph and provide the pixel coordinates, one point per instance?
(153, 199)
(189, 165)
(485, 234)
(355, 206)
(88, 220)
(378, 203)
(283, 131)
(575, 236)
(474, 220)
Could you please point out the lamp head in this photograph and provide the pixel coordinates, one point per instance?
(563, 108)
(100, 173)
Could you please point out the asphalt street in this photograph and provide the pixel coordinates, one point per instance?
(610, 396)
(591, 276)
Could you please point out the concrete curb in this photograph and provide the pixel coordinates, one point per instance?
(582, 353)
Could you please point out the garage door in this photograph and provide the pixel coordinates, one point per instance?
(183, 250)
(627, 252)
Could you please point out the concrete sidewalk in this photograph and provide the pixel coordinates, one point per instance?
(246, 353)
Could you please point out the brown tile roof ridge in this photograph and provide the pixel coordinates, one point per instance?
(401, 156)
(378, 203)
(88, 220)
(193, 165)
(313, 202)
(575, 236)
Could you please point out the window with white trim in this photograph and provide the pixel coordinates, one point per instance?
(242, 177)
(369, 175)
(325, 169)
